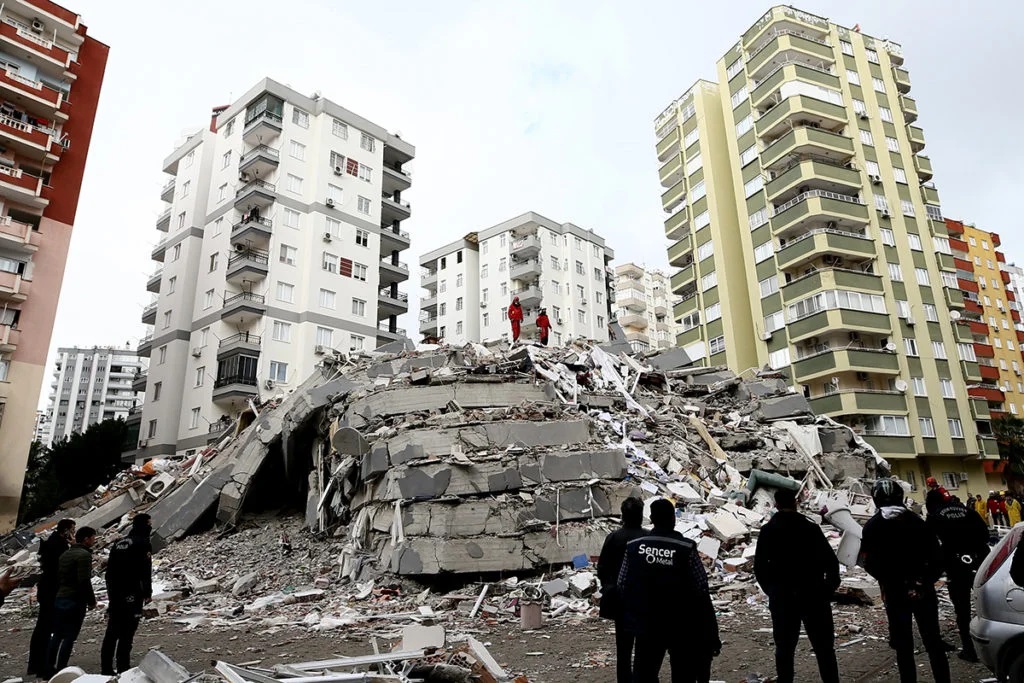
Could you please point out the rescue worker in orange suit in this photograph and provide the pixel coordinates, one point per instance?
(515, 316)
(543, 326)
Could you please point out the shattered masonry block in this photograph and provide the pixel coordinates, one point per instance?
(726, 526)
(162, 669)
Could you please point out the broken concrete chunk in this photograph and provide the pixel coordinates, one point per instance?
(245, 583)
(726, 526)
(555, 587)
(162, 669)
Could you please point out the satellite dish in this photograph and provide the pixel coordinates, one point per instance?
(901, 385)
(954, 315)
(890, 347)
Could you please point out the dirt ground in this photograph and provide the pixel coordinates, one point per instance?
(563, 650)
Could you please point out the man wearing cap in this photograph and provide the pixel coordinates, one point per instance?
(936, 496)
(129, 586)
(799, 573)
(515, 316)
(543, 326)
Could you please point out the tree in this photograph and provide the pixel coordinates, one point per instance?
(71, 467)
(1009, 432)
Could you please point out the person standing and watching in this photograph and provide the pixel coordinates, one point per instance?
(543, 326)
(981, 508)
(902, 553)
(964, 539)
(1012, 510)
(994, 509)
(936, 496)
(50, 551)
(608, 566)
(129, 587)
(74, 597)
(515, 317)
(799, 573)
(666, 604)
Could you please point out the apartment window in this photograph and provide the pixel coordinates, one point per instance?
(367, 142)
(758, 218)
(734, 68)
(325, 336)
(581, 316)
(362, 237)
(329, 262)
(739, 97)
(486, 319)
(189, 158)
(938, 350)
(866, 138)
(199, 376)
(185, 187)
(753, 185)
(713, 312)
(285, 292)
(356, 342)
(915, 241)
(225, 160)
(288, 254)
(691, 138)
(949, 280)
(157, 389)
(294, 184)
(208, 299)
(300, 118)
(218, 227)
(764, 251)
(910, 346)
(907, 207)
(919, 386)
(458, 303)
(281, 331)
(923, 278)
(291, 218)
(708, 281)
(984, 245)
(746, 124)
(947, 387)
(442, 309)
(769, 285)
(694, 164)
(881, 203)
(878, 84)
(895, 272)
(161, 355)
(502, 264)
(997, 342)
(363, 205)
(229, 128)
(483, 271)
(181, 221)
(579, 268)
(458, 280)
(927, 426)
(859, 107)
(333, 227)
(705, 250)
(931, 314)
(697, 191)
(171, 282)
(716, 345)
(152, 429)
(167, 319)
(326, 299)
(358, 307)
(966, 352)
(956, 428)
(892, 144)
(483, 247)
(458, 327)
(365, 172)
(888, 237)
(872, 168)
(690, 321)
(847, 47)
(442, 286)
(214, 257)
(504, 289)
(703, 219)
(278, 371)
(297, 150)
(599, 297)
(748, 155)
(853, 77)
(886, 114)
(899, 174)
(193, 422)
(778, 359)
(893, 425)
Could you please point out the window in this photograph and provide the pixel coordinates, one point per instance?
(778, 359)
(769, 285)
(363, 205)
(442, 286)
(748, 155)
(966, 352)
(758, 218)
(285, 292)
(892, 425)
(581, 316)
(859, 107)
(886, 114)
(753, 185)
(297, 150)
(483, 247)
(337, 162)
(853, 77)
(907, 207)
(938, 349)
(579, 267)
(339, 129)
(865, 137)
(997, 342)
(486, 319)
(910, 346)
(949, 280)
(218, 227)
(984, 244)
(458, 303)
(458, 327)
(483, 271)
(458, 280)
(888, 237)
(229, 128)
(895, 272)
(171, 282)
(872, 168)
(189, 158)
(713, 312)
(282, 331)
(716, 345)
(703, 219)
(931, 314)
(325, 336)
(288, 254)
(278, 371)
(915, 241)
(167, 319)
(186, 186)
(892, 143)
(690, 138)
(161, 355)
(367, 142)
(899, 174)
(300, 118)
(225, 160)
(181, 222)
(923, 278)
(502, 264)
(694, 164)
(365, 173)
(326, 299)
(919, 386)
(208, 299)
(847, 47)
(152, 429)
(291, 218)
(764, 251)
(947, 387)
(157, 389)
(734, 68)
(358, 307)
(333, 227)
(359, 271)
(927, 426)
(690, 321)
(878, 84)
(956, 428)
(705, 250)
(442, 309)
(599, 297)
(748, 122)
(294, 184)
(199, 377)
(213, 261)
(193, 422)
(708, 281)
(598, 274)
(329, 262)
(581, 292)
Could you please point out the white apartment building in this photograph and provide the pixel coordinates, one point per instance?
(559, 266)
(643, 307)
(282, 243)
(89, 385)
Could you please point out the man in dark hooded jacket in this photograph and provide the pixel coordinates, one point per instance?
(129, 586)
(50, 551)
(608, 566)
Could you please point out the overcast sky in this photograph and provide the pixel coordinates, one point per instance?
(529, 105)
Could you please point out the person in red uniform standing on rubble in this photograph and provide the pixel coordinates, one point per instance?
(543, 326)
(515, 316)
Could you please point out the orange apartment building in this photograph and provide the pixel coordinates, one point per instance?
(991, 314)
(50, 77)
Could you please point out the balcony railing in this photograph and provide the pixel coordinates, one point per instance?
(261, 150)
(240, 338)
(384, 327)
(264, 114)
(401, 265)
(398, 296)
(776, 33)
(254, 184)
(228, 380)
(788, 62)
(245, 296)
(259, 257)
(265, 222)
(825, 194)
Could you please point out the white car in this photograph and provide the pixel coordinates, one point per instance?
(998, 628)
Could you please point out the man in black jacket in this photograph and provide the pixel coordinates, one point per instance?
(608, 566)
(964, 538)
(74, 596)
(903, 554)
(129, 586)
(799, 573)
(666, 604)
(50, 551)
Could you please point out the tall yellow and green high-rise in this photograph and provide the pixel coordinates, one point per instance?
(809, 238)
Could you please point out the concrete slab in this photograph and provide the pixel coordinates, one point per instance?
(785, 407)
(491, 436)
(162, 669)
(726, 527)
(108, 513)
(427, 398)
(416, 637)
(671, 359)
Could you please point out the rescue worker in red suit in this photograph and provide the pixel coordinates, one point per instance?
(544, 326)
(515, 316)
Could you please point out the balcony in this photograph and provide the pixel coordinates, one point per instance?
(783, 47)
(813, 174)
(800, 110)
(684, 277)
(392, 273)
(807, 141)
(248, 264)
(258, 193)
(395, 180)
(812, 245)
(525, 247)
(149, 314)
(984, 350)
(902, 79)
(840, 360)
(791, 71)
(989, 372)
(22, 187)
(633, 320)
(672, 171)
(668, 145)
(529, 269)
(954, 298)
(971, 371)
(428, 325)
(831, 278)
(17, 236)
(428, 279)
(163, 221)
(13, 289)
(243, 343)
(681, 253)
(260, 160)
(167, 192)
(916, 136)
(391, 303)
(261, 126)
(989, 394)
(930, 193)
(632, 299)
(855, 401)
(678, 224)
(816, 206)
(891, 445)
(924, 167)
(28, 140)
(909, 105)
(139, 382)
(428, 303)
(145, 346)
(529, 297)
(35, 96)
(979, 409)
(153, 282)
(243, 308)
(237, 386)
(393, 209)
(387, 333)
(838, 319)
(788, 20)
(22, 42)
(673, 196)
(252, 231)
(392, 240)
